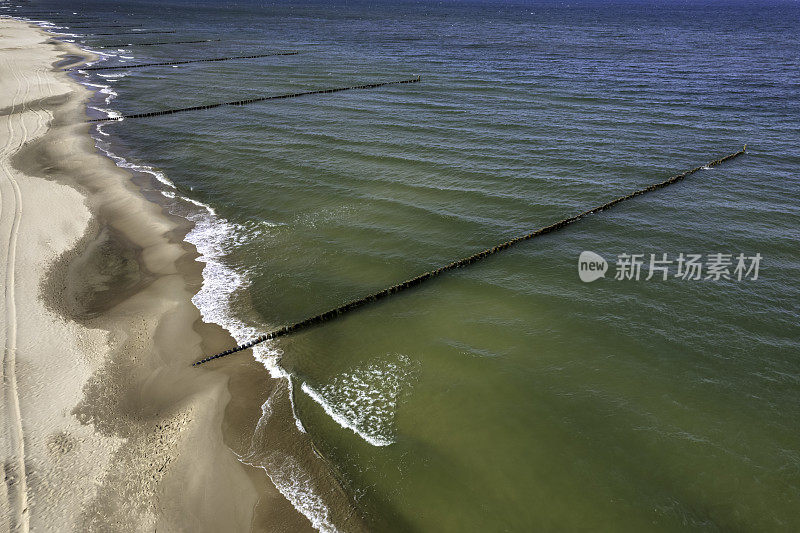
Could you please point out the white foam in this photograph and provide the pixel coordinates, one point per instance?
(297, 421)
(99, 129)
(103, 56)
(110, 113)
(212, 235)
(297, 487)
(207, 207)
(108, 91)
(121, 162)
(115, 76)
(364, 400)
(288, 477)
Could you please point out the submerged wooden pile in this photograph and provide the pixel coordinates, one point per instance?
(185, 61)
(254, 100)
(413, 282)
(98, 25)
(157, 43)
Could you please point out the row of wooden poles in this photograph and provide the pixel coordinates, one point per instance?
(91, 26)
(185, 61)
(136, 32)
(394, 289)
(99, 23)
(158, 43)
(254, 100)
(206, 60)
(413, 282)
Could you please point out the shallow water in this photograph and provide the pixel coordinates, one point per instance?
(509, 395)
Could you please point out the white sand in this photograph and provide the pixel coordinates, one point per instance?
(43, 367)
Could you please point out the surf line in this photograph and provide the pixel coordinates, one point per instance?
(253, 100)
(162, 42)
(183, 62)
(394, 289)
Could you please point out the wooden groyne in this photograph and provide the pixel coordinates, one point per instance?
(134, 32)
(83, 26)
(183, 62)
(56, 18)
(254, 100)
(413, 282)
(158, 43)
(100, 24)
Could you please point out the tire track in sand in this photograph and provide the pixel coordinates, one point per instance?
(15, 474)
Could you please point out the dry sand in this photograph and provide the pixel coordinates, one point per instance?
(105, 425)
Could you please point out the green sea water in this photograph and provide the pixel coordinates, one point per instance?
(510, 395)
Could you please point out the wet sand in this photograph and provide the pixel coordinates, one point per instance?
(105, 425)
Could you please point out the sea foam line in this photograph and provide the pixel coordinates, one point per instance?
(342, 419)
(287, 476)
(365, 398)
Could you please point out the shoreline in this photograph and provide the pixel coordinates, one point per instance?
(134, 437)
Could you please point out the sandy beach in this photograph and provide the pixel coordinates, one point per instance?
(105, 426)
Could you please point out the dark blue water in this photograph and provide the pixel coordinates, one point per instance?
(510, 395)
